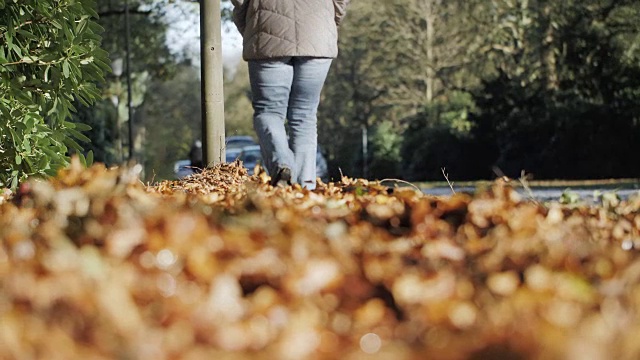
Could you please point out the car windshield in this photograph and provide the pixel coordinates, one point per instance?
(239, 142)
(251, 156)
(232, 154)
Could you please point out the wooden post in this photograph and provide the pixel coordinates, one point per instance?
(212, 82)
(127, 22)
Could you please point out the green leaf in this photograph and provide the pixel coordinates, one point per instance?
(50, 153)
(67, 33)
(91, 11)
(69, 124)
(78, 49)
(14, 137)
(78, 135)
(56, 23)
(83, 100)
(14, 182)
(23, 96)
(26, 145)
(28, 35)
(56, 48)
(65, 68)
(83, 161)
(90, 158)
(82, 127)
(16, 49)
(72, 144)
(82, 25)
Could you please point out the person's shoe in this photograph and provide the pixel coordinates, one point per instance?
(282, 178)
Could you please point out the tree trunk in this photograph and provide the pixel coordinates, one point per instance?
(548, 58)
(430, 17)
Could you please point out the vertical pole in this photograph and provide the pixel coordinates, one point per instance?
(365, 151)
(212, 82)
(127, 22)
(119, 125)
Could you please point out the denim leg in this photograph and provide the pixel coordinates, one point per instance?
(270, 86)
(309, 75)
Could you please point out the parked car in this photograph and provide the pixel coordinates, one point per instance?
(250, 157)
(239, 141)
(231, 154)
(182, 168)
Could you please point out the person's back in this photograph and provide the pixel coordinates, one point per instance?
(289, 45)
(276, 28)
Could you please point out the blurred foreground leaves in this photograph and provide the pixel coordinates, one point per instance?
(94, 264)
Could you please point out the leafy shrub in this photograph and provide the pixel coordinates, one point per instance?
(441, 136)
(49, 57)
(385, 146)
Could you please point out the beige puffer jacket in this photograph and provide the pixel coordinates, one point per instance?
(279, 28)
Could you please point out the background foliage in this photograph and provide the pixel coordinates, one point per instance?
(150, 60)
(477, 87)
(166, 86)
(50, 60)
(547, 87)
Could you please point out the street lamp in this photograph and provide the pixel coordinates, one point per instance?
(117, 68)
(128, 60)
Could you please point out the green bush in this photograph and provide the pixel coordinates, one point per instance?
(50, 55)
(385, 148)
(441, 136)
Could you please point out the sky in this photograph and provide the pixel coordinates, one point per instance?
(184, 34)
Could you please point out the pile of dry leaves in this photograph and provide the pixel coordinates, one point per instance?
(94, 264)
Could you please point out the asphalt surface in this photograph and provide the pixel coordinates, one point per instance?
(589, 194)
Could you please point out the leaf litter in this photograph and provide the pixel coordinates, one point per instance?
(96, 264)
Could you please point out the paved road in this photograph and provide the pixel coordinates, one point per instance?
(543, 194)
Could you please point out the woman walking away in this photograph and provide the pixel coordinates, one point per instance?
(289, 45)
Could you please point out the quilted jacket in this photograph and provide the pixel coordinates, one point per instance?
(280, 28)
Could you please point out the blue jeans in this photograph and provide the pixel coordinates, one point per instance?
(288, 88)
